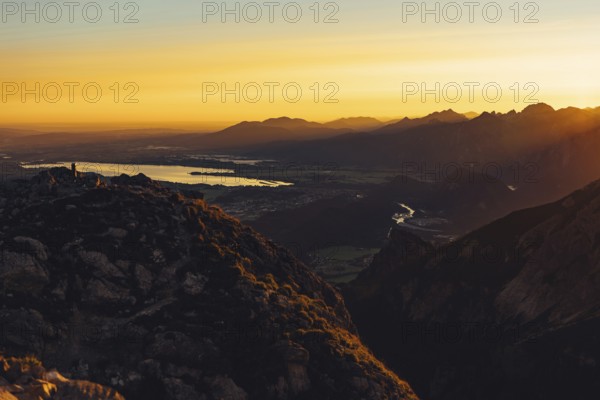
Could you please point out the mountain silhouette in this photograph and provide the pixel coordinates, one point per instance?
(447, 116)
(253, 133)
(522, 145)
(356, 123)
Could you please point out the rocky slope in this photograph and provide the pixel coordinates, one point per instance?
(511, 310)
(27, 379)
(161, 296)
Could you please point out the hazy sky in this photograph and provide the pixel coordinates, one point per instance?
(375, 60)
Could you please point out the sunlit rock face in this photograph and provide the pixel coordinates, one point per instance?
(161, 296)
(509, 311)
(27, 379)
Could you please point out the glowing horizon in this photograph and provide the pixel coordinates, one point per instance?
(368, 58)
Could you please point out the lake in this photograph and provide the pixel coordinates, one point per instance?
(169, 173)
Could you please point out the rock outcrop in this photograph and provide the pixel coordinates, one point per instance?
(26, 379)
(162, 296)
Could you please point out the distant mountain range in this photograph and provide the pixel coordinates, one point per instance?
(448, 136)
(286, 129)
(545, 153)
(239, 136)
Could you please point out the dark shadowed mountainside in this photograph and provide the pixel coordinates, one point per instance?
(511, 310)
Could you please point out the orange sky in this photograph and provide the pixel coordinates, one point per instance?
(170, 66)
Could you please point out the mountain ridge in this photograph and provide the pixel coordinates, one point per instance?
(160, 296)
(528, 279)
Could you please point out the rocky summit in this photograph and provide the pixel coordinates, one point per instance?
(158, 295)
(26, 379)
